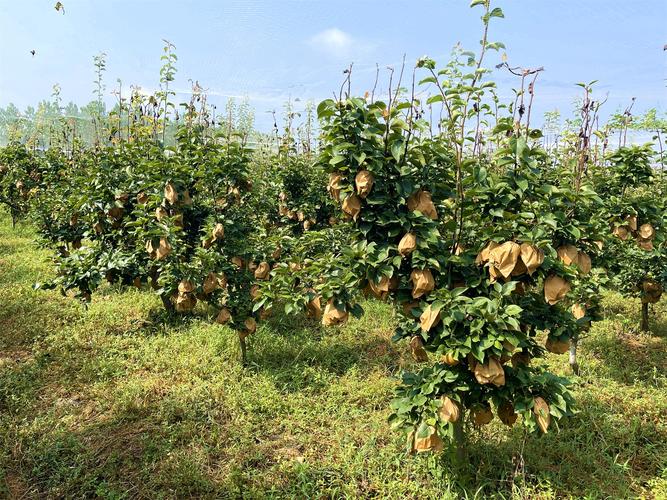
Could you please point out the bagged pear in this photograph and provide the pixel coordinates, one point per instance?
(520, 359)
(250, 325)
(334, 186)
(555, 289)
(578, 311)
(429, 318)
(262, 271)
(186, 286)
(380, 289)
(430, 443)
(506, 413)
(449, 411)
(332, 315)
(490, 372)
(352, 206)
(483, 255)
(185, 302)
(407, 245)
(532, 257)
(187, 200)
(541, 412)
(417, 349)
(482, 415)
(223, 316)
(218, 232)
(314, 307)
(645, 244)
(557, 346)
(646, 231)
(422, 282)
(449, 360)
(421, 200)
(652, 291)
(364, 182)
(621, 232)
(504, 257)
(170, 193)
(213, 281)
(161, 213)
(631, 222)
(583, 262)
(567, 254)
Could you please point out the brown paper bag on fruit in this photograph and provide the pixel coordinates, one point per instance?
(314, 307)
(557, 346)
(646, 231)
(490, 372)
(332, 315)
(621, 232)
(352, 206)
(532, 257)
(407, 245)
(170, 193)
(218, 232)
(417, 349)
(223, 316)
(449, 411)
(483, 255)
(364, 182)
(567, 254)
(542, 415)
(335, 185)
(430, 443)
(422, 282)
(555, 289)
(506, 413)
(429, 318)
(504, 257)
(482, 415)
(262, 271)
(583, 262)
(631, 222)
(421, 200)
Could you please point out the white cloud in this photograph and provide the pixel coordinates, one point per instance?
(334, 41)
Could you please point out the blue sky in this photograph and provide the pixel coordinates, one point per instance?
(272, 50)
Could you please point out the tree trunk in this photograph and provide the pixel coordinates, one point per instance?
(460, 440)
(168, 304)
(644, 324)
(573, 355)
(243, 348)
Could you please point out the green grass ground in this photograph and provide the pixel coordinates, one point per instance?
(116, 402)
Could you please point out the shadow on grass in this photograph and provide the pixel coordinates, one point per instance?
(301, 354)
(626, 355)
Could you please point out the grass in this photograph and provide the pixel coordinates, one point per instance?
(114, 401)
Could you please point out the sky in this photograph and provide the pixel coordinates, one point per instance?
(274, 50)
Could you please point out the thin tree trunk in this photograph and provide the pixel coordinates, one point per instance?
(644, 325)
(573, 355)
(460, 440)
(243, 348)
(168, 304)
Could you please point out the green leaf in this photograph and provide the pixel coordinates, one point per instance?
(397, 149)
(497, 12)
(513, 309)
